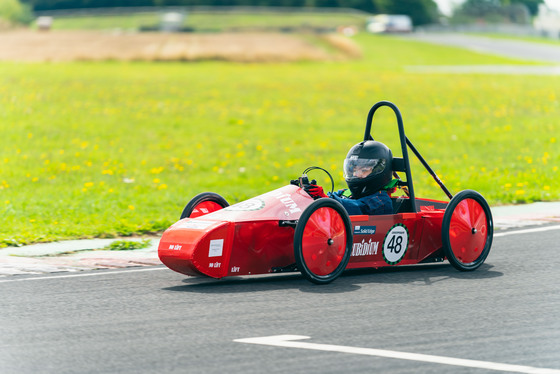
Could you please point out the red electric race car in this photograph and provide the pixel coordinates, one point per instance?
(287, 230)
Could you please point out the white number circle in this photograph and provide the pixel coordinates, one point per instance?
(395, 244)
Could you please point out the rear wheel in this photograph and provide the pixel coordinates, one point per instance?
(204, 203)
(323, 241)
(467, 230)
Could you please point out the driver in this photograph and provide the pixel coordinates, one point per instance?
(368, 173)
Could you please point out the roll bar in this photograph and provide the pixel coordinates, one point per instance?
(403, 164)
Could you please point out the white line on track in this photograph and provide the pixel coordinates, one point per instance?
(83, 275)
(288, 342)
(527, 231)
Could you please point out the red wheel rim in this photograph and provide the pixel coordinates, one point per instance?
(324, 241)
(205, 207)
(468, 231)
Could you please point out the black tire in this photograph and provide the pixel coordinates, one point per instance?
(467, 230)
(310, 253)
(204, 197)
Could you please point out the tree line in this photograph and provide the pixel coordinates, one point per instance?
(421, 11)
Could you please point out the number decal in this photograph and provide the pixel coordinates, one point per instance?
(395, 244)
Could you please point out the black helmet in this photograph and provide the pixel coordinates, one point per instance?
(367, 168)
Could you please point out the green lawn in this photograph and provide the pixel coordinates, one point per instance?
(106, 149)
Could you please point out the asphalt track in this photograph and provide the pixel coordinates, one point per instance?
(418, 319)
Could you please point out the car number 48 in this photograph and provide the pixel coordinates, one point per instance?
(395, 244)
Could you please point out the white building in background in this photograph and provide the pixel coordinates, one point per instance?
(547, 22)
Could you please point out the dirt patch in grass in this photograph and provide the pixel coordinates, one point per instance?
(240, 47)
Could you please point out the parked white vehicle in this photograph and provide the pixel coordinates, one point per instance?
(389, 23)
(547, 22)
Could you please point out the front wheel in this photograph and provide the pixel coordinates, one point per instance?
(204, 203)
(323, 241)
(467, 230)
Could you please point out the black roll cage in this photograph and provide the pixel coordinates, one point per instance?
(403, 164)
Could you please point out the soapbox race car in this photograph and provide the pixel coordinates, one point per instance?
(287, 230)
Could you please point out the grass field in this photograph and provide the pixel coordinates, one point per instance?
(109, 148)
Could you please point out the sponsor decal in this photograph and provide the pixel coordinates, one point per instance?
(364, 230)
(175, 247)
(395, 244)
(247, 205)
(216, 248)
(286, 199)
(365, 248)
(194, 224)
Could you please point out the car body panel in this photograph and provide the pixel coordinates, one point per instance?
(256, 237)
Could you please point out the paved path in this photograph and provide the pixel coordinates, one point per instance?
(518, 49)
(52, 257)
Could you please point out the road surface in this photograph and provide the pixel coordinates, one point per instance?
(431, 318)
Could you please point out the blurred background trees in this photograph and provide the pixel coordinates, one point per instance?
(422, 12)
(13, 12)
(496, 11)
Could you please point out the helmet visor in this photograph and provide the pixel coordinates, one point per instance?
(360, 168)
